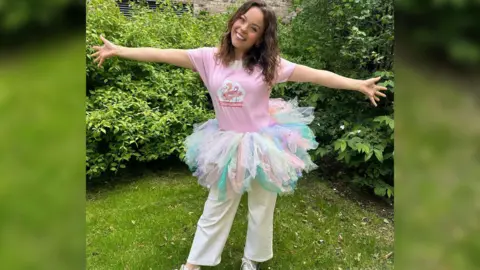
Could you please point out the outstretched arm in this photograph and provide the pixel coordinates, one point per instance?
(175, 57)
(329, 79)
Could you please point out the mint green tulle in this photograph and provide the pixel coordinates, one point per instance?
(263, 181)
(222, 184)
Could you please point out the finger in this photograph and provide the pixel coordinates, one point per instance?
(101, 62)
(377, 99)
(380, 94)
(97, 59)
(97, 47)
(104, 39)
(94, 54)
(375, 79)
(379, 87)
(373, 102)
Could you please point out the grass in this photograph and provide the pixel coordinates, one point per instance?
(149, 223)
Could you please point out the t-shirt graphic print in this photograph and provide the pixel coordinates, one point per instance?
(231, 94)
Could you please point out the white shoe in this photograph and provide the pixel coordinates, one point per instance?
(183, 267)
(248, 265)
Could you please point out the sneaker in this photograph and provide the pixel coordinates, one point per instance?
(249, 265)
(183, 267)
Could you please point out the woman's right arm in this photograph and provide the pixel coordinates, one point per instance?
(175, 57)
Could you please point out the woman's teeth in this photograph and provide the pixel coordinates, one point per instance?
(240, 37)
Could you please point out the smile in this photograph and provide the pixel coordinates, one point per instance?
(239, 36)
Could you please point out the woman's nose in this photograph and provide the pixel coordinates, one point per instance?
(243, 27)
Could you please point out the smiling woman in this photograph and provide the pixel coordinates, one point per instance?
(251, 36)
(255, 144)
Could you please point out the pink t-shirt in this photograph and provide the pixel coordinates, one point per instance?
(240, 99)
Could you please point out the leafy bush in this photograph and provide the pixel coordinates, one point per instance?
(354, 39)
(142, 111)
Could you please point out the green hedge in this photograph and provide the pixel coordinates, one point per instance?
(142, 111)
(354, 39)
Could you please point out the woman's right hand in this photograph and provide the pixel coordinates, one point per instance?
(103, 52)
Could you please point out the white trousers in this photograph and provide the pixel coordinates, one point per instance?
(216, 221)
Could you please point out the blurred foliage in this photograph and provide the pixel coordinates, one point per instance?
(18, 14)
(443, 31)
(42, 141)
(22, 21)
(437, 204)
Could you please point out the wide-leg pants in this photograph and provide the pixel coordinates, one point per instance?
(216, 221)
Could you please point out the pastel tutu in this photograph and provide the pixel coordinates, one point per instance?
(275, 156)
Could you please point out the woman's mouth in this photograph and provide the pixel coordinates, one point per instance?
(240, 37)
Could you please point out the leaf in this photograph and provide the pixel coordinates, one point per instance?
(363, 148)
(391, 124)
(379, 73)
(336, 145)
(389, 192)
(343, 145)
(359, 147)
(353, 142)
(368, 156)
(378, 155)
(387, 156)
(321, 151)
(380, 191)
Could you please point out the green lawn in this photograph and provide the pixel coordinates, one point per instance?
(149, 223)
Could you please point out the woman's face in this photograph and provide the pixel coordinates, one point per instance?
(248, 29)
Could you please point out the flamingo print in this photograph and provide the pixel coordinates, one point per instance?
(231, 94)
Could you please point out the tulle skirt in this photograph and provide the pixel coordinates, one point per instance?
(275, 156)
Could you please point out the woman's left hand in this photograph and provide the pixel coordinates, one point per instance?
(372, 90)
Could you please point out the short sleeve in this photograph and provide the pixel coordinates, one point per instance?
(286, 69)
(202, 60)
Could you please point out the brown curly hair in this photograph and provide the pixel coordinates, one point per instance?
(265, 55)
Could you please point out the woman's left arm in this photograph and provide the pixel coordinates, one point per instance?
(329, 79)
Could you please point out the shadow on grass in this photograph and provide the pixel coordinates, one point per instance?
(173, 166)
(136, 171)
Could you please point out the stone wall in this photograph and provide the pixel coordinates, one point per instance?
(280, 6)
